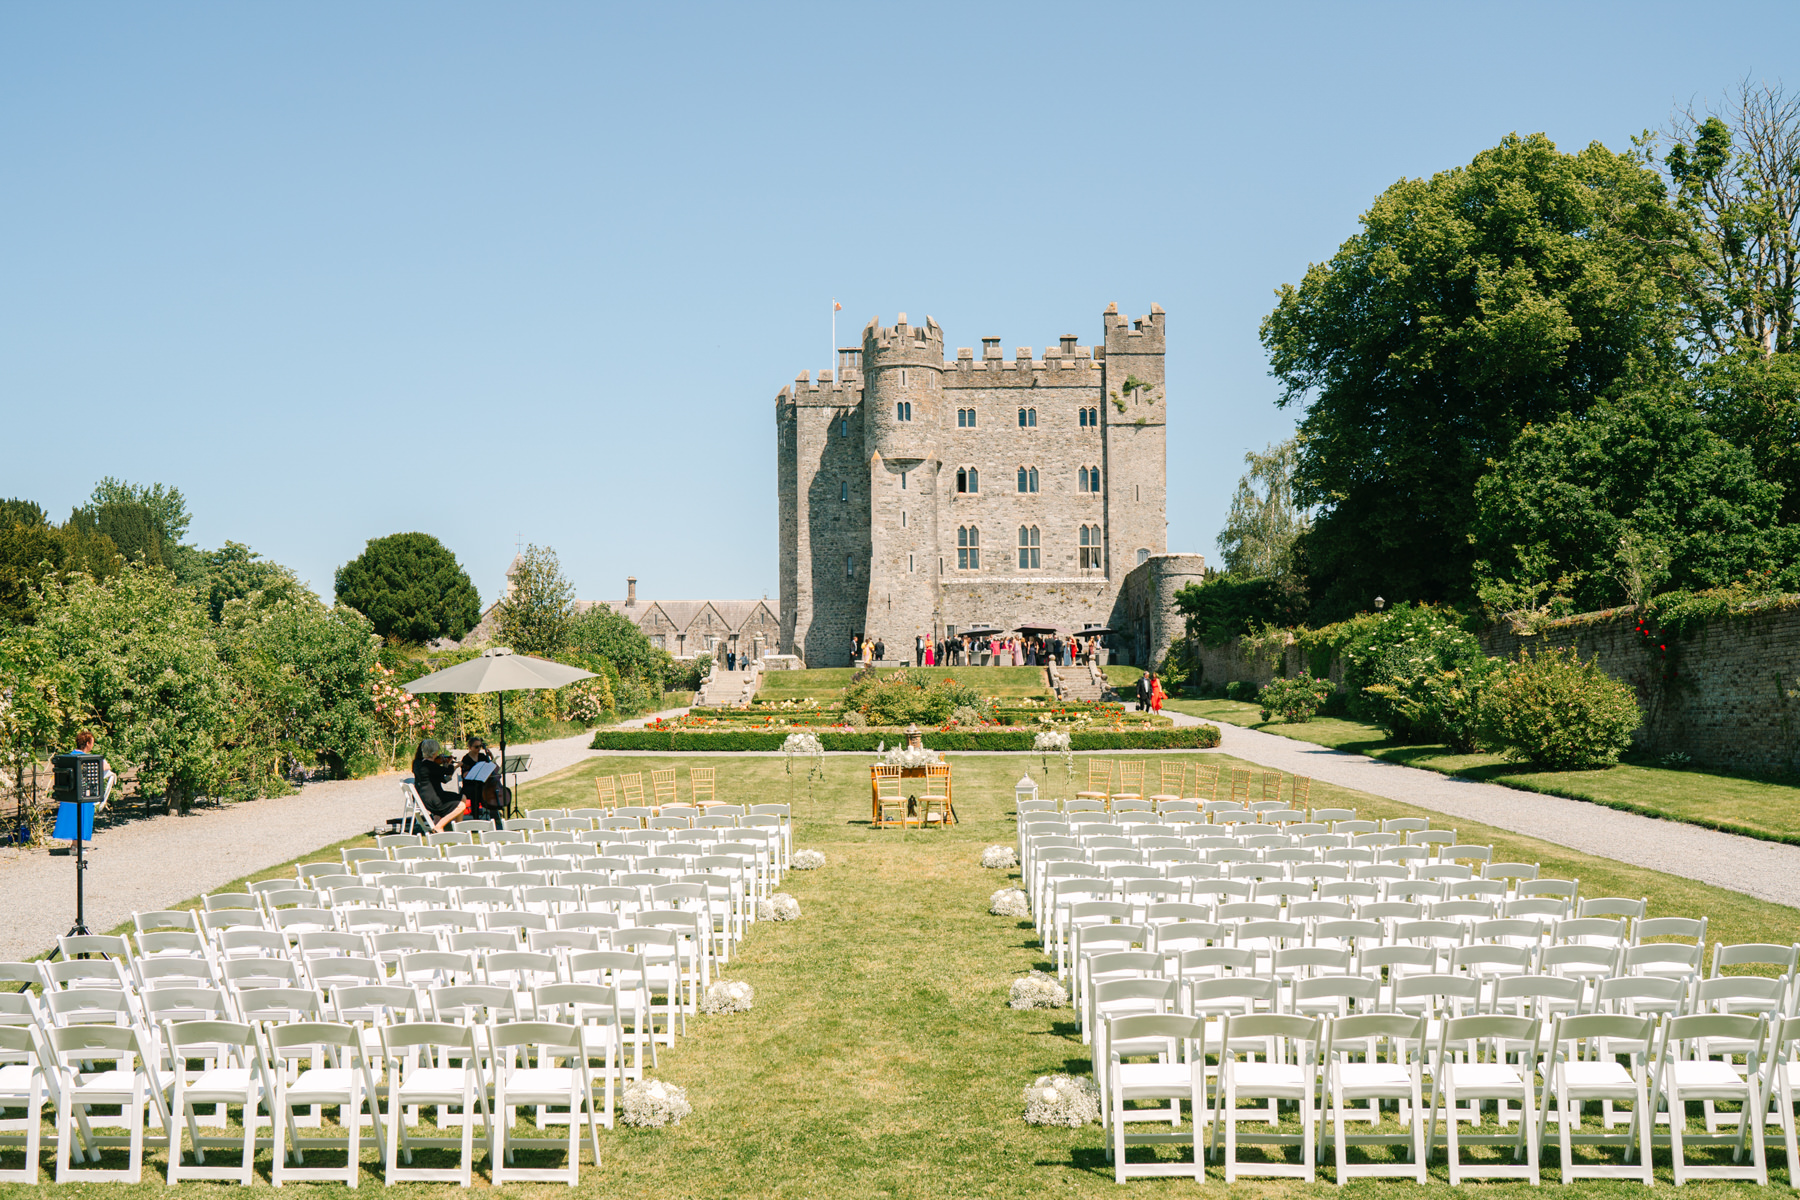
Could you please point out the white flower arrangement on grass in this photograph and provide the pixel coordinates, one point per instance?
(653, 1104)
(902, 756)
(1055, 741)
(1008, 902)
(1039, 989)
(999, 857)
(807, 744)
(807, 860)
(779, 907)
(725, 996)
(1062, 1100)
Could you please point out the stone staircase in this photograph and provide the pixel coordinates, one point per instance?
(1083, 682)
(728, 689)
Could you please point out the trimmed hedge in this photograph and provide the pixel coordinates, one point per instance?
(1191, 737)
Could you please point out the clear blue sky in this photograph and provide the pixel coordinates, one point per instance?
(341, 270)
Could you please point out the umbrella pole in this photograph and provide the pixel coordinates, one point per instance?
(511, 802)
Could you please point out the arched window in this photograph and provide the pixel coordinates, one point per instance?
(968, 548)
(843, 427)
(1028, 418)
(1089, 418)
(1087, 479)
(849, 567)
(903, 410)
(968, 479)
(844, 491)
(965, 418)
(1028, 479)
(1090, 547)
(1028, 548)
(1143, 556)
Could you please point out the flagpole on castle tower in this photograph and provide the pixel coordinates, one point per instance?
(835, 306)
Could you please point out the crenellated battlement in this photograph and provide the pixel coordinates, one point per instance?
(1126, 336)
(910, 340)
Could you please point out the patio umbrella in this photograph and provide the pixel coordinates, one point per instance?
(498, 670)
(1029, 627)
(979, 631)
(1090, 631)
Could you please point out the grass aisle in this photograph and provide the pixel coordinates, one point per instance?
(881, 1059)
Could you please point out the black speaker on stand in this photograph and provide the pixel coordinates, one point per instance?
(79, 784)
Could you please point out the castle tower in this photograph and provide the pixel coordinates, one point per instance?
(903, 408)
(1134, 424)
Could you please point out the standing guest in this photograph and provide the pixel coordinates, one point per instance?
(918, 650)
(868, 652)
(855, 648)
(731, 660)
(880, 650)
(432, 769)
(930, 654)
(1143, 693)
(1157, 695)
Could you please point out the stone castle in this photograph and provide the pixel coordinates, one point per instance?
(921, 496)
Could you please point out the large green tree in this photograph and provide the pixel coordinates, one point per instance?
(33, 550)
(1631, 495)
(411, 587)
(539, 604)
(1264, 525)
(1470, 305)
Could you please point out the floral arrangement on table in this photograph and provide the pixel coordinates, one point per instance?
(1039, 989)
(779, 907)
(653, 1104)
(1055, 741)
(807, 860)
(725, 996)
(999, 857)
(1009, 902)
(1062, 1100)
(904, 756)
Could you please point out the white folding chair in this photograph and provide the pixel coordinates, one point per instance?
(1686, 1072)
(1356, 1070)
(74, 1050)
(236, 1073)
(1176, 1043)
(518, 1082)
(336, 1072)
(418, 1057)
(1471, 1065)
(23, 1084)
(1288, 1070)
(1582, 1064)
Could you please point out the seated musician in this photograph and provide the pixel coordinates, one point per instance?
(483, 795)
(432, 771)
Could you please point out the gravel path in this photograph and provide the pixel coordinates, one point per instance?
(1766, 870)
(141, 864)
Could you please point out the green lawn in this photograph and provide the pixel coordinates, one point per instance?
(1755, 808)
(881, 1060)
(826, 684)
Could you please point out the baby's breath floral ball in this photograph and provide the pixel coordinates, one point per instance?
(807, 860)
(1038, 990)
(779, 907)
(999, 857)
(1062, 1100)
(1008, 902)
(725, 996)
(653, 1104)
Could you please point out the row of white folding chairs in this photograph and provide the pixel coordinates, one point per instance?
(1339, 1070)
(285, 1066)
(764, 851)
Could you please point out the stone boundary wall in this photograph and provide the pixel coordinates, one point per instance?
(1735, 702)
(1736, 697)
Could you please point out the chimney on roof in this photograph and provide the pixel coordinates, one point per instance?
(631, 591)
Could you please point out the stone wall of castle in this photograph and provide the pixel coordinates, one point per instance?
(888, 470)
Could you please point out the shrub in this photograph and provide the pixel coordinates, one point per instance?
(1559, 712)
(1296, 700)
(853, 720)
(1397, 671)
(1241, 689)
(1039, 989)
(1190, 737)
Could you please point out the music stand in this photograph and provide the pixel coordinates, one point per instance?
(514, 765)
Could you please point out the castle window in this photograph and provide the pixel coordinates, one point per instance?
(1028, 548)
(1090, 547)
(968, 479)
(909, 564)
(965, 418)
(1089, 418)
(843, 427)
(1028, 479)
(843, 491)
(1088, 479)
(903, 481)
(849, 567)
(902, 377)
(903, 410)
(968, 548)
(1143, 556)
(1028, 418)
(1137, 492)
(903, 519)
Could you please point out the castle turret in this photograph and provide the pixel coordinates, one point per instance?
(1134, 421)
(903, 408)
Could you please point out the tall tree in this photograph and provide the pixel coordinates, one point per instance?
(1620, 500)
(167, 506)
(411, 587)
(1734, 176)
(33, 550)
(539, 604)
(1259, 535)
(129, 525)
(1470, 305)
